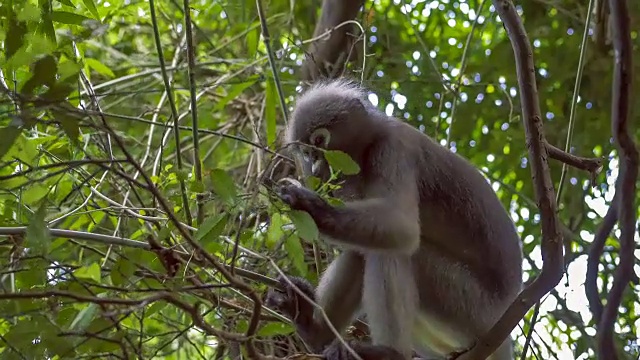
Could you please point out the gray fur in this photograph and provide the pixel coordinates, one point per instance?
(428, 245)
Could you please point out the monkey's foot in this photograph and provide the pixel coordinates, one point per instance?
(337, 351)
(290, 303)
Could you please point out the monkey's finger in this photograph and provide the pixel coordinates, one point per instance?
(289, 182)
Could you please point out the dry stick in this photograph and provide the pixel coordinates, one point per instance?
(626, 182)
(545, 195)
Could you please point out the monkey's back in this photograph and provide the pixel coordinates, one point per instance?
(461, 216)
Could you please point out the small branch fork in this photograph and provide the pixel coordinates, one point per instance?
(544, 191)
(623, 207)
(592, 165)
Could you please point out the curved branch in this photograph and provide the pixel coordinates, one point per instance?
(626, 182)
(326, 58)
(544, 191)
(591, 165)
(593, 260)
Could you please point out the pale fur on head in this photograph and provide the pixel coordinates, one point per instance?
(344, 87)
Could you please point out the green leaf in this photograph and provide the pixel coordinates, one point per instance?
(15, 35)
(69, 18)
(8, 135)
(37, 235)
(274, 232)
(70, 126)
(253, 39)
(67, 2)
(29, 12)
(122, 271)
(234, 91)
(342, 162)
(276, 328)
(85, 316)
(155, 307)
(209, 233)
(270, 111)
(211, 228)
(307, 228)
(92, 8)
(44, 73)
(34, 193)
(91, 272)
(223, 185)
(295, 252)
(99, 67)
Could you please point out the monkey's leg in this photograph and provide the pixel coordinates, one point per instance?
(390, 299)
(339, 294)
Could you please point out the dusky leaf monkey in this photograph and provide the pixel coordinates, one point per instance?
(430, 255)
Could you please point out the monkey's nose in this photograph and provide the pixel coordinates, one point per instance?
(316, 167)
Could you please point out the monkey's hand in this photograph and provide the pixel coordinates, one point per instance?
(292, 305)
(300, 198)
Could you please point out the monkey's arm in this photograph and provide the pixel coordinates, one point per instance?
(386, 221)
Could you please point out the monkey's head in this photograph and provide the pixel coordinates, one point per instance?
(331, 115)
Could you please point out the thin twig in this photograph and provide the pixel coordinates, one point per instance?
(272, 62)
(574, 99)
(174, 110)
(191, 61)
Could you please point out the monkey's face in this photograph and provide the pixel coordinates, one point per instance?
(309, 155)
(326, 120)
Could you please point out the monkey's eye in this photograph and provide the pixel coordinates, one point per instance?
(320, 137)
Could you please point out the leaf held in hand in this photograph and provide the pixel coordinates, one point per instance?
(341, 161)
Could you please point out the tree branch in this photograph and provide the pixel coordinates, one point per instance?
(544, 192)
(112, 240)
(326, 57)
(626, 182)
(591, 165)
(593, 260)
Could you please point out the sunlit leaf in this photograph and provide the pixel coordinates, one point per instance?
(35, 193)
(99, 67)
(91, 5)
(295, 252)
(69, 18)
(276, 328)
(29, 12)
(253, 38)
(91, 272)
(307, 228)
